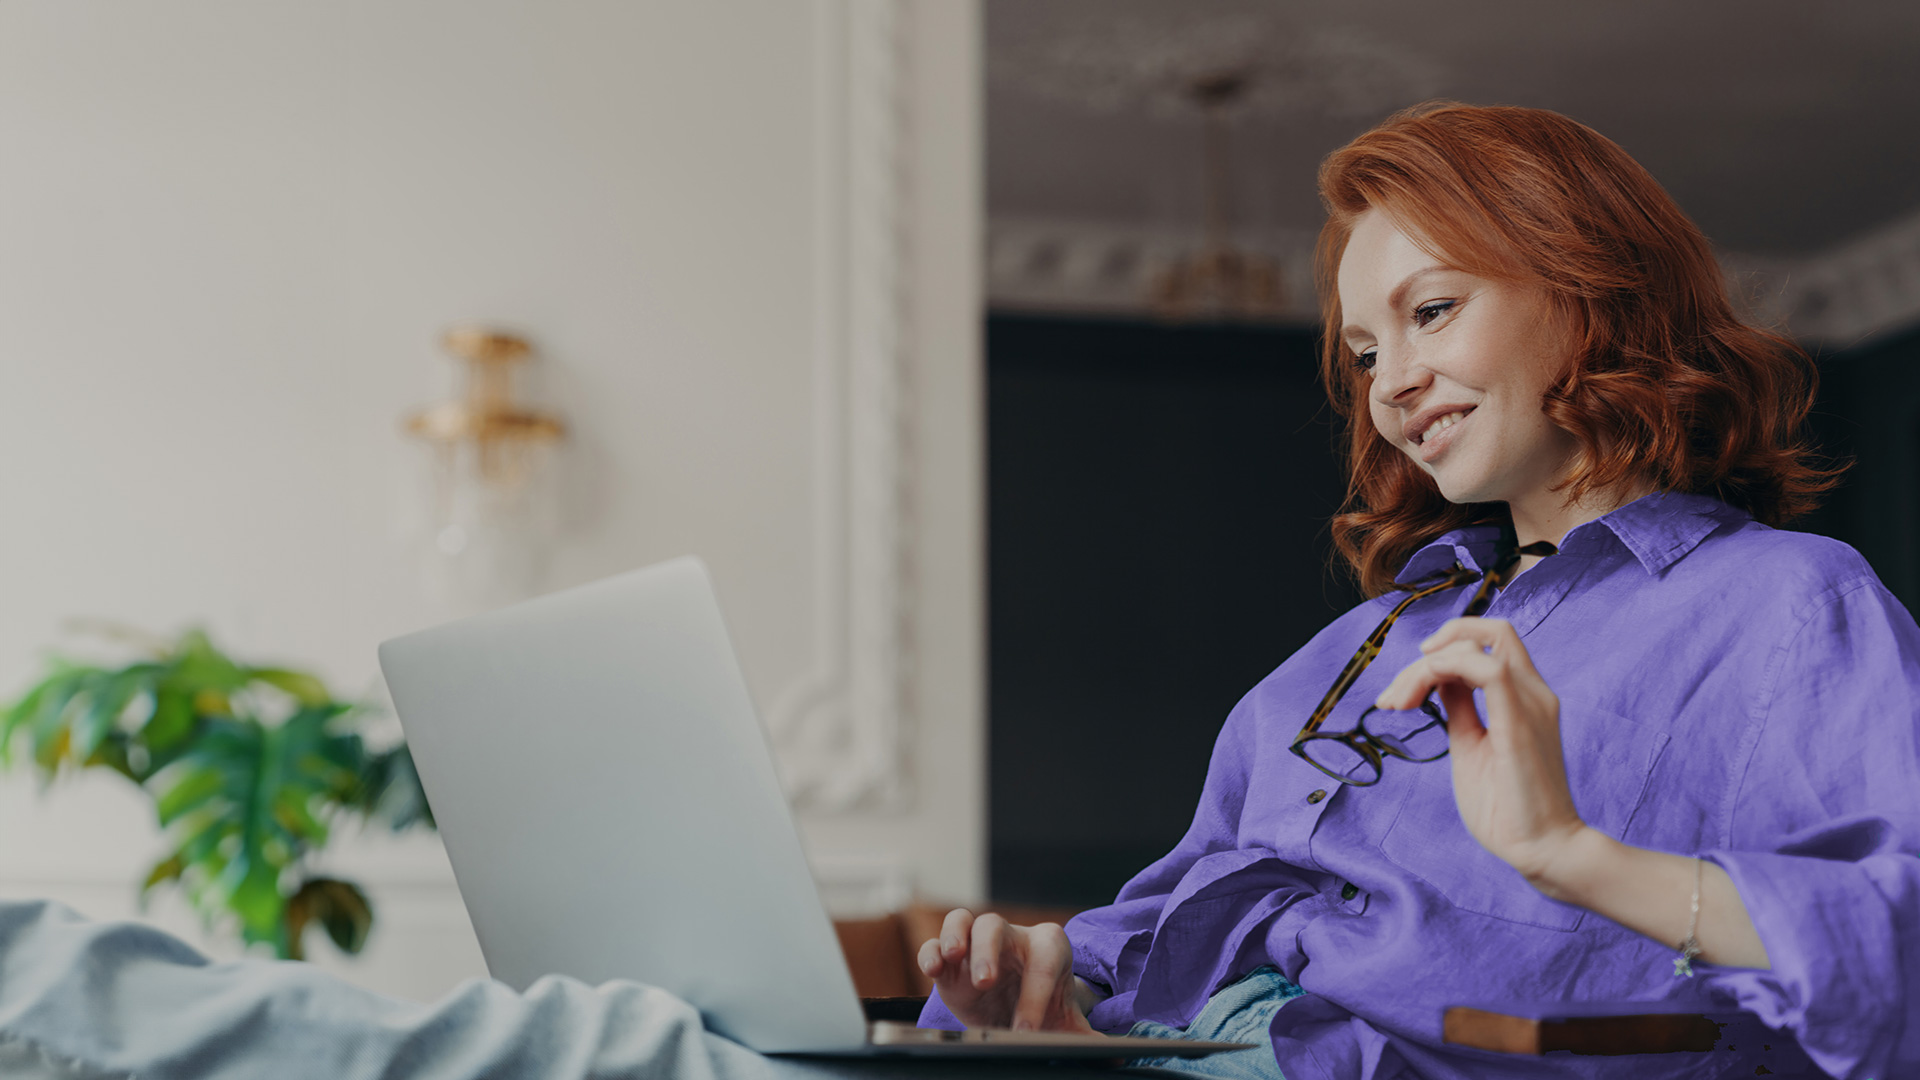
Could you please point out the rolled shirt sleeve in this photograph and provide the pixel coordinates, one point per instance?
(1825, 837)
(1111, 944)
(1184, 894)
(1185, 924)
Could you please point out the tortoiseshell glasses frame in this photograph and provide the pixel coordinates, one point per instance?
(1367, 750)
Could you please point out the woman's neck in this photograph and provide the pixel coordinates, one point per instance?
(1551, 518)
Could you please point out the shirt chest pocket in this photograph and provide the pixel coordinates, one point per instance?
(1609, 762)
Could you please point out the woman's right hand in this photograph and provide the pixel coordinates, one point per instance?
(993, 974)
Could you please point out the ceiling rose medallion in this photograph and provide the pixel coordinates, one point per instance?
(1177, 63)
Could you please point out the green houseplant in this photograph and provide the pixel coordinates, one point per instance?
(250, 769)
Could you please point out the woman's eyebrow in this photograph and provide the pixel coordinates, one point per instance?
(1397, 298)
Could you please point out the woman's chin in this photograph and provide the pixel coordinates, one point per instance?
(1460, 481)
(1452, 490)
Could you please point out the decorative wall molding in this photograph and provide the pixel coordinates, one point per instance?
(839, 733)
(1842, 297)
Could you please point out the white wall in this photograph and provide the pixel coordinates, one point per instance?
(230, 233)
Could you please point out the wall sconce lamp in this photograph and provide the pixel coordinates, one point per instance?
(488, 446)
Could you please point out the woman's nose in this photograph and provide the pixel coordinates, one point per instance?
(1397, 378)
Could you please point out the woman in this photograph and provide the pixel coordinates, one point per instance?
(1683, 760)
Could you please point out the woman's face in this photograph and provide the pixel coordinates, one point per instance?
(1458, 364)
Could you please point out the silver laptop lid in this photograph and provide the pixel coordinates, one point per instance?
(608, 801)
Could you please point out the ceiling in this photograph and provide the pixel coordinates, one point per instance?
(1783, 128)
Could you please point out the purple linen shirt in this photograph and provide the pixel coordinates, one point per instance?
(1726, 689)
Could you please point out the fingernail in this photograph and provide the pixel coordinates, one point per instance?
(1020, 1024)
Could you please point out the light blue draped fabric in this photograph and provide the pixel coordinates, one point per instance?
(81, 999)
(1241, 1012)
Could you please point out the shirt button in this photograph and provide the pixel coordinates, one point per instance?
(1349, 891)
(1317, 796)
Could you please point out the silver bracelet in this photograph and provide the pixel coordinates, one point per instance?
(1690, 948)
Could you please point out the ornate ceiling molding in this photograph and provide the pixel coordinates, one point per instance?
(1840, 298)
(1102, 269)
(1144, 60)
(839, 731)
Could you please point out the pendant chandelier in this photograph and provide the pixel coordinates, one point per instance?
(1219, 280)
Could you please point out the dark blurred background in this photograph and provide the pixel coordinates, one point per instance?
(1160, 455)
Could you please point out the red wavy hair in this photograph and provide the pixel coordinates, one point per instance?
(1666, 385)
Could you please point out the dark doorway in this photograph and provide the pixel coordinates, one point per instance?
(1869, 411)
(1158, 500)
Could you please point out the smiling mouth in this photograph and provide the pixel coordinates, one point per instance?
(1440, 424)
(1433, 442)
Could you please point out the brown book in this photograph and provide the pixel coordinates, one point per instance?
(1627, 1027)
(1608, 1027)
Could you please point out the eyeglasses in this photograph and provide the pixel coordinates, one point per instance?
(1355, 756)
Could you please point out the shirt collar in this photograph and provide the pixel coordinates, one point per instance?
(1658, 529)
(1471, 547)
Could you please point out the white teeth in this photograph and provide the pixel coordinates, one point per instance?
(1441, 425)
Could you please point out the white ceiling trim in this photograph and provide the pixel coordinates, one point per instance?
(1103, 269)
(1847, 296)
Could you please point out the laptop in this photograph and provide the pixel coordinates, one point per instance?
(607, 797)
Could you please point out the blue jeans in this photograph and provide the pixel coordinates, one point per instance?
(1240, 1012)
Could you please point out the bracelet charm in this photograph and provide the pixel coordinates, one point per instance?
(1690, 947)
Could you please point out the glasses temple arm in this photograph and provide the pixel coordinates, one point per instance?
(1368, 650)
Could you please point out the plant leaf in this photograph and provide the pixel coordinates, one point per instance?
(50, 746)
(391, 791)
(108, 695)
(294, 815)
(210, 702)
(302, 687)
(47, 733)
(243, 803)
(187, 788)
(253, 893)
(172, 718)
(199, 665)
(349, 918)
(112, 753)
(297, 914)
(341, 908)
(167, 869)
(18, 714)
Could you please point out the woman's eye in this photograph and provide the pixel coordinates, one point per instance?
(1364, 361)
(1426, 313)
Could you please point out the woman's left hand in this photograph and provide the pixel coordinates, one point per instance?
(1509, 776)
